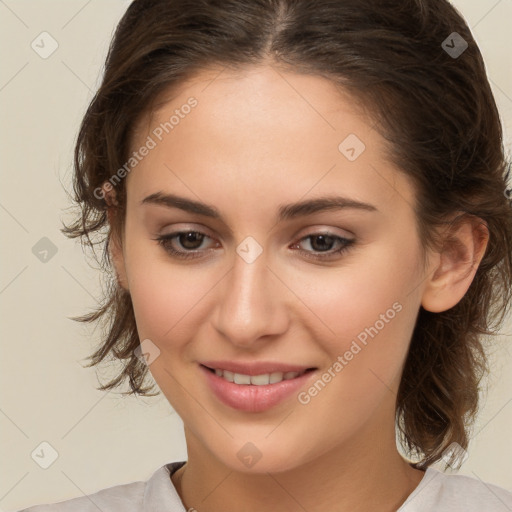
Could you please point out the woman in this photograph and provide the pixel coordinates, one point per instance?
(308, 222)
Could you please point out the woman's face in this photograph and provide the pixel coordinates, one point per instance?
(274, 275)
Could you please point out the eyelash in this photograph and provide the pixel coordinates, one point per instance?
(165, 240)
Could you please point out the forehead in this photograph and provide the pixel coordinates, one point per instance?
(225, 92)
(267, 133)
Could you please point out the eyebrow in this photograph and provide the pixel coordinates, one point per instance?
(285, 212)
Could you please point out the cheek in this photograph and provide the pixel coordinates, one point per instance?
(372, 326)
(165, 296)
(370, 312)
(368, 292)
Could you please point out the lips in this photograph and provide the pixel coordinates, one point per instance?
(254, 387)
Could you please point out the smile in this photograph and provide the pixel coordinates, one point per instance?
(256, 380)
(258, 392)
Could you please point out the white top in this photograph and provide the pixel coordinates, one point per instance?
(437, 492)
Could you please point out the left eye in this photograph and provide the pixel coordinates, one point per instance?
(321, 241)
(191, 242)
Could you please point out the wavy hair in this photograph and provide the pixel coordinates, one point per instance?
(435, 109)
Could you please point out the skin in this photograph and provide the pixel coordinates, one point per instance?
(257, 139)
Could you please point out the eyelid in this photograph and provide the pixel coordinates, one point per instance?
(184, 226)
(323, 229)
(178, 229)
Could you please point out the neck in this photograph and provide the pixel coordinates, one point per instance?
(356, 478)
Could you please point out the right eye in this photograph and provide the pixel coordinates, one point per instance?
(189, 240)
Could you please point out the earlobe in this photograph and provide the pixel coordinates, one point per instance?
(115, 245)
(455, 266)
(117, 257)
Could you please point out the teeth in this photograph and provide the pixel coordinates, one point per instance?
(241, 379)
(256, 380)
(276, 377)
(260, 380)
(229, 376)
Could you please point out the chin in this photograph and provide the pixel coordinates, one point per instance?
(259, 457)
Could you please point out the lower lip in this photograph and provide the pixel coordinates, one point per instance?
(251, 398)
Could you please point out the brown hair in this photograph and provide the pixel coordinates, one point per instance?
(436, 110)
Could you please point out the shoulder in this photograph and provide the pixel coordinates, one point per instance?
(439, 491)
(130, 497)
(127, 497)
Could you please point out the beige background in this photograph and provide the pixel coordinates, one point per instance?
(104, 439)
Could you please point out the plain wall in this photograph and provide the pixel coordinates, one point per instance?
(104, 439)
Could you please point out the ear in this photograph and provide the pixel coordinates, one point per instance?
(455, 266)
(115, 245)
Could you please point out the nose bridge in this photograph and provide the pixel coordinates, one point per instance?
(249, 306)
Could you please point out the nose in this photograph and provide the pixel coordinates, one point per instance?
(251, 304)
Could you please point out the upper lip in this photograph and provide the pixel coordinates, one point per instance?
(254, 367)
